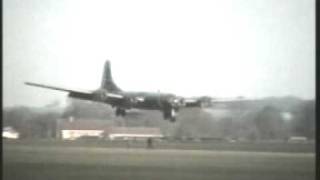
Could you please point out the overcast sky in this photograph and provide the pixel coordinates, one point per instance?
(221, 48)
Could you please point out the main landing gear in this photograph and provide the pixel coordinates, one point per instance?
(120, 112)
(170, 114)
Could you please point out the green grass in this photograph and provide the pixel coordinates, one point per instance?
(188, 145)
(41, 161)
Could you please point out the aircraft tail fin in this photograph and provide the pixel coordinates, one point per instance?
(107, 81)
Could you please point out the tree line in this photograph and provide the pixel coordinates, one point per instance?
(258, 120)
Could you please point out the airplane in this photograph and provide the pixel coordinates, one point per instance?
(110, 93)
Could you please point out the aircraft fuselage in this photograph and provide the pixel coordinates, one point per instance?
(139, 100)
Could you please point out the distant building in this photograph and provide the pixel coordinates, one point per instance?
(9, 133)
(297, 139)
(74, 129)
(136, 133)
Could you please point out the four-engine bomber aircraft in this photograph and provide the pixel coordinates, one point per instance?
(111, 94)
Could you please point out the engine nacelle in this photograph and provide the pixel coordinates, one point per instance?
(100, 95)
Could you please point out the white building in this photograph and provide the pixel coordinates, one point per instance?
(9, 133)
(297, 139)
(74, 129)
(136, 133)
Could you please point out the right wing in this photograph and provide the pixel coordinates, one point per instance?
(231, 100)
(80, 94)
(192, 102)
(206, 101)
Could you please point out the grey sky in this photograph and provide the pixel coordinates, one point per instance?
(222, 48)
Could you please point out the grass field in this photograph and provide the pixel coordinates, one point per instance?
(56, 160)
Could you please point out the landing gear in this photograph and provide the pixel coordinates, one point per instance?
(173, 119)
(166, 115)
(120, 112)
(170, 114)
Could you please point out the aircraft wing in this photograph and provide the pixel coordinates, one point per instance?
(237, 103)
(81, 94)
(203, 102)
(231, 100)
(192, 102)
(56, 88)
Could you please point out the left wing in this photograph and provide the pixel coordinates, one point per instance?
(81, 94)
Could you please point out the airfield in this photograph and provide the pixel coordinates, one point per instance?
(83, 160)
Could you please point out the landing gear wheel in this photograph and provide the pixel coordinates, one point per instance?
(170, 114)
(165, 115)
(173, 119)
(123, 112)
(120, 112)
